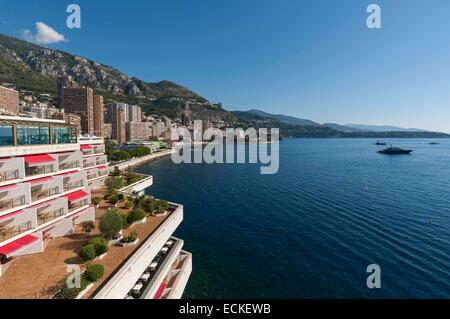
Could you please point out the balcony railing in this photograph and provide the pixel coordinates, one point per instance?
(87, 164)
(72, 185)
(64, 166)
(91, 176)
(43, 193)
(11, 203)
(79, 204)
(103, 172)
(38, 170)
(44, 217)
(101, 162)
(9, 175)
(10, 232)
(88, 152)
(99, 149)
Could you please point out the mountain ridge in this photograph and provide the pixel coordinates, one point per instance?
(33, 68)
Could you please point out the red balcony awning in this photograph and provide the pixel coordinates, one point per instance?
(85, 147)
(8, 188)
(35, 160)
(160, 291)
(18, 245)
(102, 167)
(10, 215)
(76, 196)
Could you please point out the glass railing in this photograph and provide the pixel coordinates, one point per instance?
(88, 152)
(11, 203)
(44, 217)
(101, 162)
(92, 176)
(99, 150)
(71, 185)
(88, 164)
(79, 204)
(103, 173)
(43, 193)
(12, 231)
(64, 166)
(9, 175)
(39, 170)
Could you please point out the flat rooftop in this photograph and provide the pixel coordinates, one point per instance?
(39, 276)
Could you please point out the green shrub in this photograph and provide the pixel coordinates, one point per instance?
(100, 244)
(147, 204)
(135, 215)
(110, 223)
(130, 238)
(120, 197)
(161, 206)
(88, 252)
(127, 204)
(94, 272)
(96, 200)
(113, 199)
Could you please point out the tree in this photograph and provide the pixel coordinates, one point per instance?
(111, 223)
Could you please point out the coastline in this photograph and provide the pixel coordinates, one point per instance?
(137, 162)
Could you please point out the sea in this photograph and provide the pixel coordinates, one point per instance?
(335, 207)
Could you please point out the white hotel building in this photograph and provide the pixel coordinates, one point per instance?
(47, 173)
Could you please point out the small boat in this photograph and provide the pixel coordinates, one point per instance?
(394, 151)
(434, 143)
(380, 143)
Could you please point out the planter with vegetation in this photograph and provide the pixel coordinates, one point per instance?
(110, 223)
(160, 208)
(130, 240)
(95, 249)
(137, 216)
(96, 201)
(92, 274)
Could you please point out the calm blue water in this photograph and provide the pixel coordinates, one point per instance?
(310, 231)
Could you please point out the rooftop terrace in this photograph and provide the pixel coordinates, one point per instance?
(40, 275)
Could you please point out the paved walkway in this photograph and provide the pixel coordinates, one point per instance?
(142, 160)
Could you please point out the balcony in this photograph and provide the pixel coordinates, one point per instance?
(72, 180)
(101, 160)
(10, 232)
(9, 175)
(78, 199)
(43, 188)
(69, 160)
(45, 216)
(99, 149)
(11, 203)
(95, 161)
(87, 163)
(39, 164)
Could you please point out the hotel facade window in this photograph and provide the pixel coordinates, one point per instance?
(6, 135)
(33, 135)
(64, 135)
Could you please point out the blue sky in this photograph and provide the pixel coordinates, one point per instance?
(313, 59)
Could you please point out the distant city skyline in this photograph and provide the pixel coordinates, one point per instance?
(310, 59)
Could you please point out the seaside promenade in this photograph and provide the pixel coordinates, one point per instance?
(142, 160)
